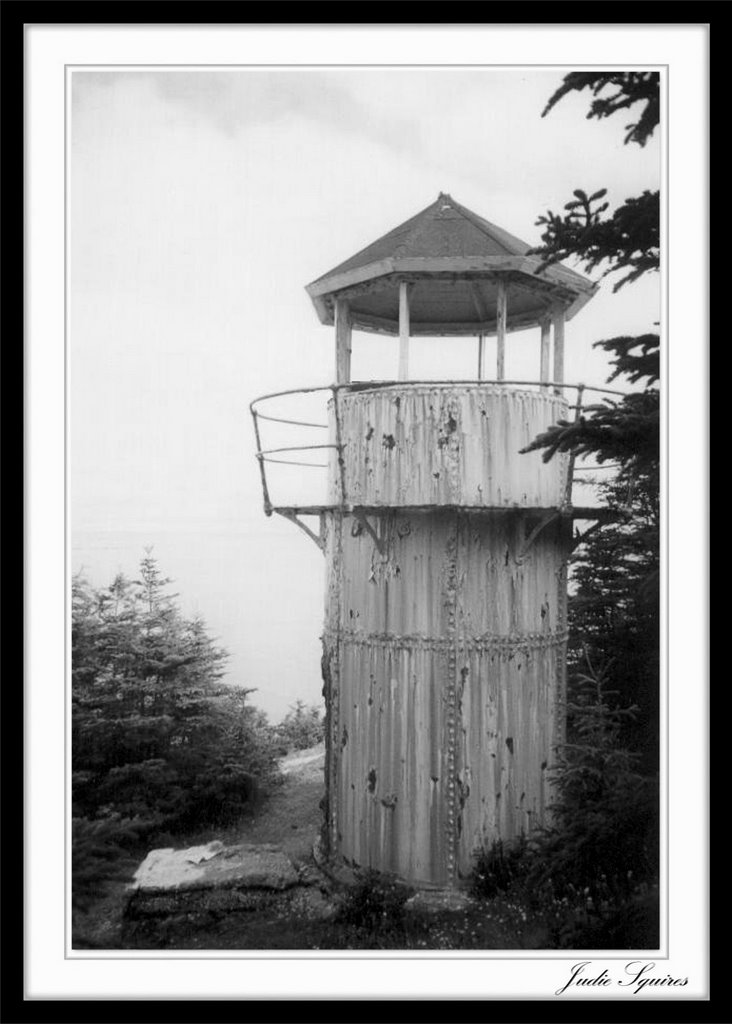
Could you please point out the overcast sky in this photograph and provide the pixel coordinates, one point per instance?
(201, 204)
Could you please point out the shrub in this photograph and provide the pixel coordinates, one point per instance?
(156, 738)
(99, 852)
(498, 867)
(302, 727)
(604, 837)
(374, 905)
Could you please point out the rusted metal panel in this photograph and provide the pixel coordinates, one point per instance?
(511, 637)
(389, 747)
(506, 590)
(446, 445)
(507, 712)
(446, 654)
(392, 774)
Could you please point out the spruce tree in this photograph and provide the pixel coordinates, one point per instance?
(614, 607)
(156, 737)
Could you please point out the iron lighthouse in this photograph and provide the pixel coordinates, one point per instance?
(445, 551)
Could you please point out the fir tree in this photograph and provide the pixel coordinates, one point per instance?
(301, 728)
(156, 737)
(628, 240)
(614, 610)
(614, 613)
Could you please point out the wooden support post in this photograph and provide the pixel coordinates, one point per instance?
(559, 348)
(342, 317)
(481, 356)
(403, 330)
(546, 341)
(501, 331)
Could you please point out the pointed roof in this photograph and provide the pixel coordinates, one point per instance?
(448, 239)
(445, 228)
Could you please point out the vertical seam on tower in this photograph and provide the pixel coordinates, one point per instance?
(451, 697)
(336, 691)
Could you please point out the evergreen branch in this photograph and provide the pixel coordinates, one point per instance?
(627, 241)
(627, 89)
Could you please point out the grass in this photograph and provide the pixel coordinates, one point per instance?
(371, 915)
(285, 923)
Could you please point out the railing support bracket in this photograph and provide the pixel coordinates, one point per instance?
(378, 541)
(546, 519)
(318, 537)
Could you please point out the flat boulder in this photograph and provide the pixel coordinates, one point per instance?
(210, 877)
(215, 866)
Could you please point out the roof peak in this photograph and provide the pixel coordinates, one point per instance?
(444, 229)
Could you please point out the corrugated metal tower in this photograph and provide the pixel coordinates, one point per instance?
(446, 553)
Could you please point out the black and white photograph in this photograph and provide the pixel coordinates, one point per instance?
(378, 646)
(376, 666)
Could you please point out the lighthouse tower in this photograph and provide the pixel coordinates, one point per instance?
(445, 550)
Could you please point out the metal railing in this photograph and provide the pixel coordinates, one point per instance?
(264, 455)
